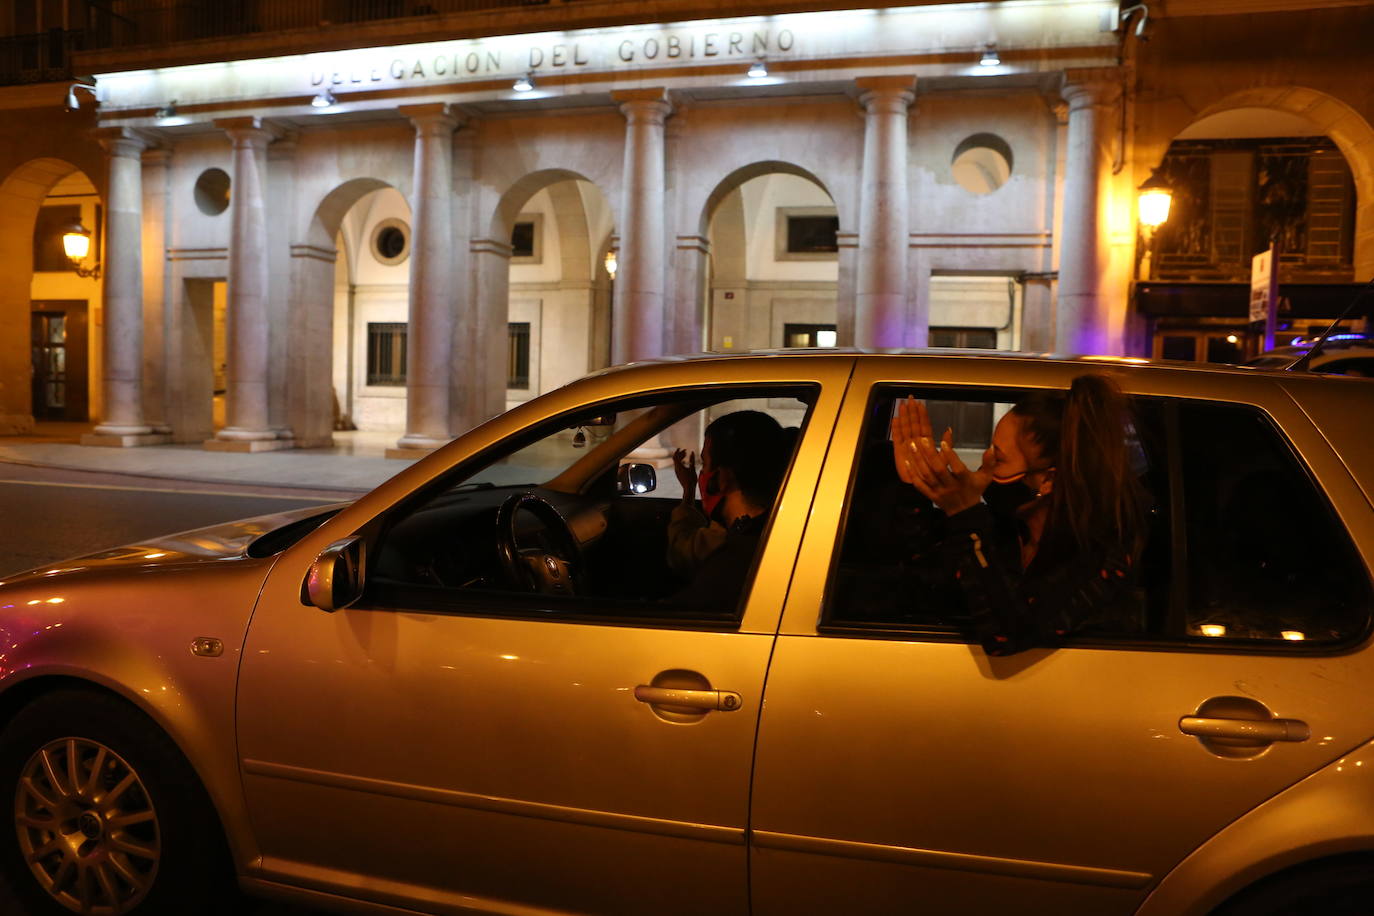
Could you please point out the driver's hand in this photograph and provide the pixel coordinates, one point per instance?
(685, 467)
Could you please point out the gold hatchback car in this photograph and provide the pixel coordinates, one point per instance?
(503, 683)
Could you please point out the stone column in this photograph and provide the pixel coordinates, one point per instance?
(637, 313)
(880, 300)
(1082, 320)
(429, 350)
(248, 333)
(157, 218)
(122, 339)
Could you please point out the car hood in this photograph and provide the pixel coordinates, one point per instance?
(227, 541)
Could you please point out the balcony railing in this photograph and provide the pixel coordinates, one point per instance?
(41, 58)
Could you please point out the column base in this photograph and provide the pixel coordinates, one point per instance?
(126, 440)
(247, 445)
(122, 429)
(409, 454)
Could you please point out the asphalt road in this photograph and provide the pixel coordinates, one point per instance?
(48, 515)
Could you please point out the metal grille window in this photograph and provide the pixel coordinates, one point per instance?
(518, 360)
(386, 353)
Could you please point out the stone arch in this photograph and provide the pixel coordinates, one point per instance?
(310, 337)
(728, 304)
(1351, 133)
(739, 176)
(575, 308)
(518, 194)
(21, 194)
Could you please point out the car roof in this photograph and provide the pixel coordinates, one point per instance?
(949, 353)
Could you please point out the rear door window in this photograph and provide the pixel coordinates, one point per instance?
(1243, 549)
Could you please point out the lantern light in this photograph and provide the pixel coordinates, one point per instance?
(611, 264)
(1154, 201)
(76, 243)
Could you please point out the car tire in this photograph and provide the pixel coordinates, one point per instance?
(1338, 887)
(105, 812)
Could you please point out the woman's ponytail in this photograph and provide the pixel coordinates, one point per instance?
(1096, 490)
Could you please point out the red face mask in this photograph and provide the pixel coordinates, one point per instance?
(710, 492)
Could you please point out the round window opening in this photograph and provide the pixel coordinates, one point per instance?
(982, 163)
(391, 241)
(212, 192)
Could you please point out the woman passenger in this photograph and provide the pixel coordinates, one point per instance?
(1045, 536)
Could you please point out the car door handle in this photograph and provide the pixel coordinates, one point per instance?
(1246, 729)
(724, 700)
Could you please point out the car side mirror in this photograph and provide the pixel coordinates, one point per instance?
(335, 579)
(635, 479)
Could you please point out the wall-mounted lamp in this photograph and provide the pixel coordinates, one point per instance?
(73, 102)
(1144, 20)
(990, 57)
(759, 70)
(324, 100)
(167, 111)
(1154, 200)
(76, 242)
(524, 83)
(611, 264)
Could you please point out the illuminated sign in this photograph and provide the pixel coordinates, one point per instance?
(750, 42)
(620, 53)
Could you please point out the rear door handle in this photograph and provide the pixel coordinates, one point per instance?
(723, 700)
(1245, 729)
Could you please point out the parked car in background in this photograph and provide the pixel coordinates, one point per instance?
(1341, 354)
(472, 690)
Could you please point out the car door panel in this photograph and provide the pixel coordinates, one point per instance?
(1053, 780)
(490, 742)
(501, 760)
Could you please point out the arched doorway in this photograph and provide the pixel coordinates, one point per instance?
(49, 356)
(371, 310)
(347, 345)
(773, 231)
(1261, 166)
(773, 273)
(557, 288)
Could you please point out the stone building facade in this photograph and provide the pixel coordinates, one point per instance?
(411, 230)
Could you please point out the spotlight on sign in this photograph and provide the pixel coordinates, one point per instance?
(324, 100)
(759, 70)
(524, 83)
(990, 57)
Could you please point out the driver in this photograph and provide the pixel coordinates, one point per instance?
(744, 456)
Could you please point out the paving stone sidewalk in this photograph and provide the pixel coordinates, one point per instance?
(315, 469)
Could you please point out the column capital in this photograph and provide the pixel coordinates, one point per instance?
(1086, 86)
(433, 116)
(247, 131)
(643, 104)
(893, 94)
(122, 141)
(157, 156)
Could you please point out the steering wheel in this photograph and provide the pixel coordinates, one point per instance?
(548, 572)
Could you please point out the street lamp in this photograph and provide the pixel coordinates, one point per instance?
(76, 242)
(1154, 201)
(1153, 208)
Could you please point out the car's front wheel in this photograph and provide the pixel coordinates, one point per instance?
(106, 814)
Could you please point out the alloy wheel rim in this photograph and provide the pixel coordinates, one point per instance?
(87, 827)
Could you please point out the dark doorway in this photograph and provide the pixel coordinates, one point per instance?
(57, 334)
